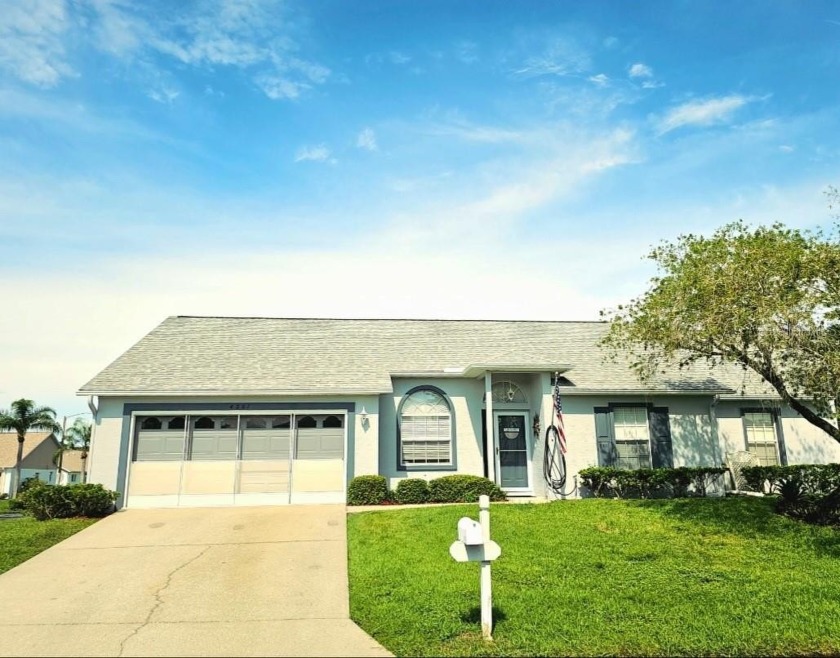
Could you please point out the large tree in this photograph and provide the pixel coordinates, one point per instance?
(766, 299)
(24, 416)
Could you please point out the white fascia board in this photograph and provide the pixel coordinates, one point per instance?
(564, 390)
(478, 369)
(233, 393)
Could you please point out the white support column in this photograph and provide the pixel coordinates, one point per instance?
(489, 448)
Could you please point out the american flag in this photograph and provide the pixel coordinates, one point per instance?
(558, 415)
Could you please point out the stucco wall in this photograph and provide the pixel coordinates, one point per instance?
(804, 443)
(466, 397)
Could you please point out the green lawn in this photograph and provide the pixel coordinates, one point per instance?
(602, 577)
(20, 539)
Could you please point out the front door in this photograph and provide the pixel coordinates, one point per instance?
(512, 450)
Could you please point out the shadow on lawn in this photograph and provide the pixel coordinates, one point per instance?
(473, 616)
(747, 517)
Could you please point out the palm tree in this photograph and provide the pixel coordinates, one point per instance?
(77, 437)
(22, 417)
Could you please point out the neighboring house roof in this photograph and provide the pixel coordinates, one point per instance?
(9, 446)
(71, 461)
(259, 356)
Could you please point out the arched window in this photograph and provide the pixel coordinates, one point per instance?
(151, 423)
(176, 423)
(332, 421)
(281, 423)
(425, 430)
(306, 422)
(205, 423)
(255, 424)
(508, 392)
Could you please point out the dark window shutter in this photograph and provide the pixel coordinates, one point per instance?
(662, 450)
(604, 435)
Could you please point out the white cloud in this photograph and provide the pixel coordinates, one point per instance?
(399, 58)
(787, 148)
(601, 80)
(164, 94)
(32, 41)
(252, 36)
(561, 57)
(367, 140)
(704, 112)
(639, 70)
(319, 153)
(467, 52)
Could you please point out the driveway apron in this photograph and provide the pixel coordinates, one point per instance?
(260, 581)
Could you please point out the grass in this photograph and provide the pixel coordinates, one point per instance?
(21, 539)
(723, 577)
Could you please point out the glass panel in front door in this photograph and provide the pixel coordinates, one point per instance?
(513, 451)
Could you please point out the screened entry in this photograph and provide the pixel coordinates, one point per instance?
(209, 460)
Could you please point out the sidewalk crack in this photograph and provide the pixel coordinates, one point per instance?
(159, 599)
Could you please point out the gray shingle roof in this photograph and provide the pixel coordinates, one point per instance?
(214, 355)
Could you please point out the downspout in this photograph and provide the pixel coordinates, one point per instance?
(488, 419)
(716, 434)
(94, 410)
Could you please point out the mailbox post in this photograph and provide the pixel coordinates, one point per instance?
(474, 545)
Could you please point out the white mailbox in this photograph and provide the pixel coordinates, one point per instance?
(469, 532)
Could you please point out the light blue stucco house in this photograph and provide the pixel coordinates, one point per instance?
(246, 411)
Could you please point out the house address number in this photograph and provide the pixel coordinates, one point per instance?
(239, 406)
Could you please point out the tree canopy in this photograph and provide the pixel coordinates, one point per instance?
(24, 416)
(766, 299)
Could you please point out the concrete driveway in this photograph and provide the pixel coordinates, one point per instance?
(263, 581)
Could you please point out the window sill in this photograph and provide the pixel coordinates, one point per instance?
(429, 467)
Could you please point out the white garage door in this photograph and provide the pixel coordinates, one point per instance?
(210, 460)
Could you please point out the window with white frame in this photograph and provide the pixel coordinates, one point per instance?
(632, 437)
(425, 429)
(762, 441)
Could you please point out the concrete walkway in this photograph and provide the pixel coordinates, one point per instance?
(260, 581)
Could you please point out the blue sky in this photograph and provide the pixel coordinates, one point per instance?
(382, 159)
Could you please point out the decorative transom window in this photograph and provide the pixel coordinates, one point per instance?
(425, 430)
(508, 392)
(762, 441)
(632, 437)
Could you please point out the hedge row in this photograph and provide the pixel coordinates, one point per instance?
(373, 490)
(808, 492)
(610, 482)
(818, 479)
(48, 501)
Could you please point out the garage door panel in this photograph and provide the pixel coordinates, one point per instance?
(263, 477)
(310, 475)
(154, 478)
(320, 443)
(209, 477)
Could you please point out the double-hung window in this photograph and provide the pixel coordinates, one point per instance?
(632, 437)
(425, 430)
(761, 437)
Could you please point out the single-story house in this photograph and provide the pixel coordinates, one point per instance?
(72, 467)
(244, 411)
(39, 450)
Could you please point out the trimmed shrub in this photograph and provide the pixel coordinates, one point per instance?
(29, 484)
(807, 492)
(611, 482)
(463, 489)
(816, 479)
(412, 491)
(367, 490)
(62, 502)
